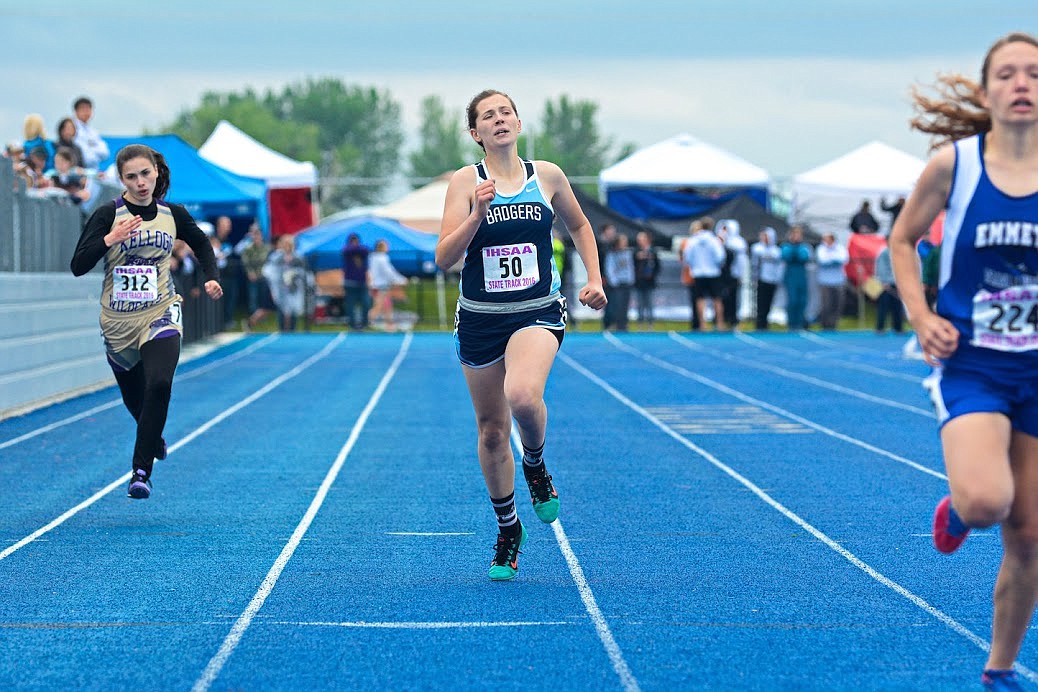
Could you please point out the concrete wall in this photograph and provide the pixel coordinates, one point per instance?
(50, 340)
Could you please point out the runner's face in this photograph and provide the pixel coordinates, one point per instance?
(1011, 94)
(139, 176)
(497, 123)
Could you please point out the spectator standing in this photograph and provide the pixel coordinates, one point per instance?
(355, 282)
(735, 269)
(253, 257)
(888, 302)
(796, 254)
(646, 269)
(91, 144)
(66, 134)
(35, 137)
(766, 262)
(387, 285)
(619, 270)
(285, 272)
(606, 240)
(705, 256)
(230, 269)
(894, 208)
(863, 221)
(831, 257)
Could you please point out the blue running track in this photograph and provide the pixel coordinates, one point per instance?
(739, 511)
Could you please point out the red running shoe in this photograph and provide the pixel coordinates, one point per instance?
(942, 539)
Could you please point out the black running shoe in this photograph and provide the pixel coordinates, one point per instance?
(162, 451)
(140, 485)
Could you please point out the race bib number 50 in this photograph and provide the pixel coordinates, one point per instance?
(1006, 320)
(135, 282)
(510, 267)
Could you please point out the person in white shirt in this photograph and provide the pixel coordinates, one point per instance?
(766, 263)
(736, 267)
(94, 148)
(830, 259)
(704, 254)
(386, 284)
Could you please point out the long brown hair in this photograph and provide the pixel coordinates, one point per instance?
(956, 111)
(134, 151)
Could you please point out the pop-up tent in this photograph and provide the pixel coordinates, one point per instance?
(826, 197)
(411, 252)
(290, 183)
(420, 209)
(681, 177)
(207, 190)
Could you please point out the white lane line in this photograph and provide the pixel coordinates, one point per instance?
(118, 402)
(934, 612)
(230, 643)
(928, 413)
(838, 346)
(771, 407)
(418, 625)
(827, 358)
(434, 533)
(122, 480)
(605, 635)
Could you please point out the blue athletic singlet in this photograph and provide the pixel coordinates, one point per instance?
(509, 281)
(989, 291)
(509, 262)
(989, 264)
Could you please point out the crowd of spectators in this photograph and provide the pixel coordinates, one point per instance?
(64, 167)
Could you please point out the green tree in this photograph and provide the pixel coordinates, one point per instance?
(352, 134)
(569, 136)
(441, 141)
(360, 136)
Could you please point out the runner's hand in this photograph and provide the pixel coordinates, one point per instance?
(214, 290)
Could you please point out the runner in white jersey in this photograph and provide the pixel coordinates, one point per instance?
(511, 317)
(984, 329)
(140, 308)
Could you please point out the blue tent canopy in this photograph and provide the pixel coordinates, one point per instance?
(412, 252)
(205, 189)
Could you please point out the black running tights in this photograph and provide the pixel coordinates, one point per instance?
(146, 389)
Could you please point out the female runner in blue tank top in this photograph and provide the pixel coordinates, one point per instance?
(511, 317)
(984, 328)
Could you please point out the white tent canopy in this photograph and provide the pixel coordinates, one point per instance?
(826, 197)
(683, 160)
(230, 148)
(421, 209)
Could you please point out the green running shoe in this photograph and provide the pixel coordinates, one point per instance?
(505, 564)
(545, 498)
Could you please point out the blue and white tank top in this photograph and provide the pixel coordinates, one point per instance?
(509, 266)
(989, 262)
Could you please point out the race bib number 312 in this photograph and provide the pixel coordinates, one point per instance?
(135, 282)
(510, 267)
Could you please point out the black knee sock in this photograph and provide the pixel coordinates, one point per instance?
(507, 519)
(533, 461)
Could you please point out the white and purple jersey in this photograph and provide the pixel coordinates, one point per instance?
(509, 265)
(989, 265)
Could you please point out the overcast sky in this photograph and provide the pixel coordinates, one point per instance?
(775, 83)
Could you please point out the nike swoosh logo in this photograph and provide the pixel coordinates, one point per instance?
(531, 188)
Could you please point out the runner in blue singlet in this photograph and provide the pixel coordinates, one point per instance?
(984, 328)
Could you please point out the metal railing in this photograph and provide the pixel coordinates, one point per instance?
(39, 232)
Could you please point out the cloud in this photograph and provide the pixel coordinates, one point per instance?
(785, 115)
